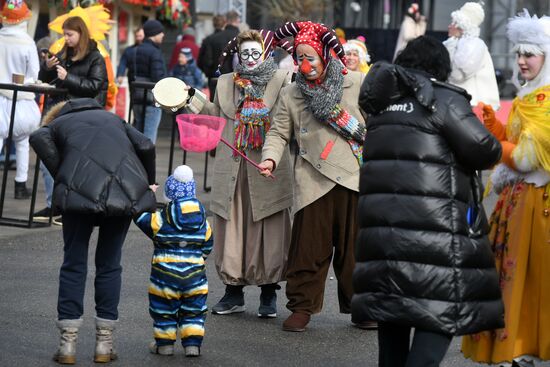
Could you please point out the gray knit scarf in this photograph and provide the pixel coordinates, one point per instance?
(323, 98)
(259, 76)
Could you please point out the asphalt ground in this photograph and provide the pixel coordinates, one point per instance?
(29, 269)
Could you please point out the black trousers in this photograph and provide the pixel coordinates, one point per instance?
(77, 229)
(427, 350)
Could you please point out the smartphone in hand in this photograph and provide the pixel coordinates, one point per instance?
(47, 52)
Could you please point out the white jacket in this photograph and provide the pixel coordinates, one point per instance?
(18, 55)
(410, 29)
(472, 69)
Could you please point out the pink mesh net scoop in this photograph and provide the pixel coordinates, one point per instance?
(202, 133)
(199, 133)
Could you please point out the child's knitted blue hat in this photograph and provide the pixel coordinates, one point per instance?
(180, 184)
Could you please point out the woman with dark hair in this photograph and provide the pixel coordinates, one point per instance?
(420, 262)
(78, 67)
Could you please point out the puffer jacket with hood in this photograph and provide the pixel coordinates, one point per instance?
(417, 264)
(101, 164)
(179, 227)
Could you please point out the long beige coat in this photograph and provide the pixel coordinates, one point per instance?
(313, 175)
(267, 196)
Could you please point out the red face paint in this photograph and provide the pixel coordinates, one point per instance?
(305, 67)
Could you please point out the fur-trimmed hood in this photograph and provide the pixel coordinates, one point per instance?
(65, 107)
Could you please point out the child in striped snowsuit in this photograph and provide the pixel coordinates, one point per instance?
(178, 287)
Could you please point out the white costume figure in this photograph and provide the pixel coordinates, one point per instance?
(18, 55)
(472, 66)
(413, 26)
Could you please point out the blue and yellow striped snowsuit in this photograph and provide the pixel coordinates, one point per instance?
(178, 287)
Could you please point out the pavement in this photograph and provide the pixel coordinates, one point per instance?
(29, 268)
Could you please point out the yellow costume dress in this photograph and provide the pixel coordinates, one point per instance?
(520, 238)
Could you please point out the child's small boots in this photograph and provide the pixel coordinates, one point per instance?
(163, 350)
(104, 351)
(66, 353)
(192, 351)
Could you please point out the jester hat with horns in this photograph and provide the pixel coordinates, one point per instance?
(269, 43)
(322, 39)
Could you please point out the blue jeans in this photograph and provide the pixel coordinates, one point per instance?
(150, 123)
(77, 229)
(48, 184)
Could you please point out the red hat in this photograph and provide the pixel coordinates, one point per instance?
(14, 12)
(316, 35)
(269, 43)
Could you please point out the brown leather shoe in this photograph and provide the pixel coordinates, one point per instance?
(296, 322)
(366, 325)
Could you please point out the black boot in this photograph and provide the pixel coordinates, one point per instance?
(21, 191)
(268, 301)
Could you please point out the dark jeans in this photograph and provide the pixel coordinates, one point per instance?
(427, 350)
(77, 229)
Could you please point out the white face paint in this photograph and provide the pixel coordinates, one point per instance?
(250, 54)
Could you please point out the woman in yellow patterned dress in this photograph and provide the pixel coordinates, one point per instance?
(520, 223)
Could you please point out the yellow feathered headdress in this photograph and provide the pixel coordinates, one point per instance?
(95, 17)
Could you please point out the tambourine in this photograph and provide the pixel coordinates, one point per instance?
(170, 94)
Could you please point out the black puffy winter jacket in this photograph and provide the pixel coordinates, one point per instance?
(417, 265)
(86, 78)
(101, 165)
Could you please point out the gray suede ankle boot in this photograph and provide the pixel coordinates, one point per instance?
(104, 351)
(66, 353)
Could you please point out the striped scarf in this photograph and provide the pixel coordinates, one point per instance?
(252, 119)
(323, 101)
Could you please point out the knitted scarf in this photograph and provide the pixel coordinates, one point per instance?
(252, 118)
(323, 100)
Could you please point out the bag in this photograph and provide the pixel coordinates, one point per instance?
(477, 219)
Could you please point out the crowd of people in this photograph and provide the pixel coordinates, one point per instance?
(378, 172)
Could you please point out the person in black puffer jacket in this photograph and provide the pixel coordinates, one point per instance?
(78, 67)
(104, 172)
(417, 266)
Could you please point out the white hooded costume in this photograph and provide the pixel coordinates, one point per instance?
(472, 66)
